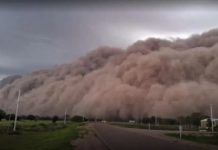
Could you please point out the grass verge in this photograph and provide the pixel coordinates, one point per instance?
(40, 136)
(153, 127)
(207, 139)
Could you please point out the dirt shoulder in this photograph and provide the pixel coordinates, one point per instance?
(88, 140)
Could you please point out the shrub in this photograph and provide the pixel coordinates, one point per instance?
(31, 117)
(2, 114)
(77, 119)
(55, 119)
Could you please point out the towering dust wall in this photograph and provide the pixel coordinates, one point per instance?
(167, 78)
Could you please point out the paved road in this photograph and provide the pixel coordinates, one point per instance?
(118, 138)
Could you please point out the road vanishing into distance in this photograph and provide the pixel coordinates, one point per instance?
(119, 138)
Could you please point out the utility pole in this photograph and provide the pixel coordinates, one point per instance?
(9, 119)
(15, 119)
(180, 132)
(211, 116)
(156, 119)
(65, 116)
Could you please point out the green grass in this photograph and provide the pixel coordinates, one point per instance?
(24, 125)
(207, 139)
(153, 127)
(40, 135)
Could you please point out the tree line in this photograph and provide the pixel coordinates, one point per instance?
(189, 120)
(4, 115)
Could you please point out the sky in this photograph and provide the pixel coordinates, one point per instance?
(41, 35)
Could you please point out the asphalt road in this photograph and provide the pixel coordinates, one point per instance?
(118, 138)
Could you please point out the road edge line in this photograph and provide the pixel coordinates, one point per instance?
(102, 139)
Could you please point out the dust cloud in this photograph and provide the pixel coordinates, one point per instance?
(151, 77)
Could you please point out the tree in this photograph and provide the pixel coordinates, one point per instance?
(169, 121)
(181, 120)
(55, 119)
(77, 118)
(10, 117)
(196, 118)
(152, 120)
(44, 118)
(31, 117)
(2, 114)
(146, 120)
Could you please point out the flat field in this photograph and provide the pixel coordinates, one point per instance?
(37, 135)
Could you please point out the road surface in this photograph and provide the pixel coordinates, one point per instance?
(118, 138)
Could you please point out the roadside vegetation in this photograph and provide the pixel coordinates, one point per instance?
(38, 133)
(200, 138)
(153, 126)
(189, 123)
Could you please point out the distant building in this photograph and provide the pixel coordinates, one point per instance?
(104, 121)
(204, 123)
(131, 121)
